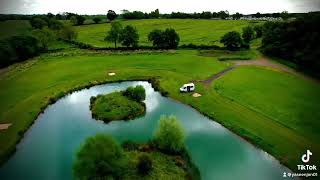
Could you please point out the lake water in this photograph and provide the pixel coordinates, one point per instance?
(48, 148)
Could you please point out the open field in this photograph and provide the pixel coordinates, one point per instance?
(269, 119)
(196, 31)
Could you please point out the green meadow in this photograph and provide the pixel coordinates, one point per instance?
(195, 31)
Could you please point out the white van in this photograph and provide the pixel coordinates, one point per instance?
(187, 87)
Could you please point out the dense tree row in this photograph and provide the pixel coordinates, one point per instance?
(129, 37)
(45, 32)
(296, 41)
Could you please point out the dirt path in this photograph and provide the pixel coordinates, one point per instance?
(4, 126)
(259, 62)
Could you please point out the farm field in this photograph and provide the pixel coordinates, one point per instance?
(195, 31)
(26, 87)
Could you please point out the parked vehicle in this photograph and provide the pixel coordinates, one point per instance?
(187, 87)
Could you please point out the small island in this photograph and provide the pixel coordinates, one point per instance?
(121, 105)
(102, 156)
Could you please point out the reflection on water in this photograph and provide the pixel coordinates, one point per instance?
(48, 149)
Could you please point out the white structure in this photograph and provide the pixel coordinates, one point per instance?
(187, 87)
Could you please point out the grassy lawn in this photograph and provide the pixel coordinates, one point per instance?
(282, 97)
(115, 106)
(196, 31)
(274, 124)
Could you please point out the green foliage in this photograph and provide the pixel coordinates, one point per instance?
(68, 33)
(111, 15)
(137, 93)
(115, 106)
(296, 41)
(167, 39)
(80, 19)
(247, 34)
(38, 23)
(231, 40)
(73, 20)
(154, 14)
(45, 37)
(99, 157)
(144, 165)
(170, 135)
(55, 24)
(114, 34)
(258, 31)
(129, 36)
(97, 20)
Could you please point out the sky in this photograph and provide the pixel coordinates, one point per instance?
(165, 6)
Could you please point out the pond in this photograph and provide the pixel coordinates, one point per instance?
(49, 146)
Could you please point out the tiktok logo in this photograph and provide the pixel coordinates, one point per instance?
(306, 157)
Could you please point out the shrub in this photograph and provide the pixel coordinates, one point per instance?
(129, 36)
(247, 34)
(137, 93)
(144, 165)
(96, 20)
(44, 36)
(38, 23)
(232, 40)
(99, 157)
(130, 145)
(170, 135)
(168, 39)
(68, 33)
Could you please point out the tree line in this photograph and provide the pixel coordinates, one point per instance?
(295, 41)
(45, 31)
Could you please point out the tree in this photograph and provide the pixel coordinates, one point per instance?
(68, 33)
(247, 34)
(80, 20)
(137, 93)
(25, 46)
(206, 15)
(170, 135)
(100, 157)
(236, 16)
(223, 14)
(284, 15)
(73, 20)
(258, 30)
(38, 23)
(55, 24)
(114, 34)
(129, 36)
(111, 15)
(231, 40)
(167, 39)
(44, 36)
(155, 14)
(96, 20)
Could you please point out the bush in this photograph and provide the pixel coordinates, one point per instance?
(44, 36)
(167, 39)
(144, 165)
(247, 34)
(231, 40)
(130, 145)
(99, 157)
(170, 135)
(38, 23)
(129, 36)
(137, 93)
(96, 20)
(68, 33)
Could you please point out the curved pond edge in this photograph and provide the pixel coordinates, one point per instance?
(155, 83)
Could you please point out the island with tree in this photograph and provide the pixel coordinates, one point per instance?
(120, 105)
(165, 156)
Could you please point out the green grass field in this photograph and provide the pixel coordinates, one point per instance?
(196, 31)
(248, 101)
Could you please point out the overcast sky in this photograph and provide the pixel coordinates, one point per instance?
(165, 6)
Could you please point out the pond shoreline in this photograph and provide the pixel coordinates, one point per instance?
(156, 86)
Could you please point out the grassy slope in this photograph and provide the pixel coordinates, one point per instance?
(194, 31)
(24, 89)
(282, 97)
(115, 106)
